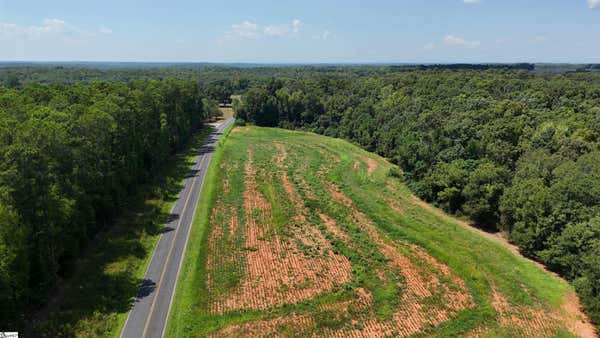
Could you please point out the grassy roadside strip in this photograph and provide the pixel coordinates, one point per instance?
(192, 270)
(94, 302)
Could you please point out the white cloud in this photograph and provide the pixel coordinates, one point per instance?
(325, 35)
(451, 40)
(429, 46)
(105, 30)
(50, 28)
(252, 30)
(273, 30)
(283, 30)
(594, 3)
(296, 25)
(245, 30)
(9, 29)
(471, 1)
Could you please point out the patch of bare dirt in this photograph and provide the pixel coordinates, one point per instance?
(479, 332)
(395, 206)
(332, 227)
(226, 167)
(281, 156)
(572, 314)
(309, 235)
(303, 185)
(226, 186)
(371, 165)
(277, 271)
(288, 326)
(216, 258)
(528, 321)
(326, 152)
(338, 196)
(575, 319)
(412, 316)
(233, 224)
(409, 319)
(306, 189)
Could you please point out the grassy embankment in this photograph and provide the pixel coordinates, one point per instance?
(95, 301)
(299, 234)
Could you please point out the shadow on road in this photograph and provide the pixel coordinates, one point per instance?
(167, 229)
(207, 150)
(105, 282)
(146, 289)
(171, 218)
(193, 173)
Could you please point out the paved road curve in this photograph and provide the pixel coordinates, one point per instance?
(148, 316)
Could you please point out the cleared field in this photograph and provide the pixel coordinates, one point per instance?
(303, 235)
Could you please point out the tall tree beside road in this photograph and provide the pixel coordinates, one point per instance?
(70, 157)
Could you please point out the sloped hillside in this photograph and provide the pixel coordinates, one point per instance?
(304, 235)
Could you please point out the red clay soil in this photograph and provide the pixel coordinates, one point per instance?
(277, 272)
(308, 234)
(412, 316)
(371, 165)
(571, 311)
(334, 229)
(527, 321)
(288, 326)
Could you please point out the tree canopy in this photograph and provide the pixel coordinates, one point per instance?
(70, 157)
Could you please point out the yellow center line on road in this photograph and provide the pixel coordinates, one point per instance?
(221, 127)
(162, 275)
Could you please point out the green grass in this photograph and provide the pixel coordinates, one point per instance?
(313, 164)
(96, 300)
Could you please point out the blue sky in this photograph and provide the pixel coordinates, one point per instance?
(301, 31)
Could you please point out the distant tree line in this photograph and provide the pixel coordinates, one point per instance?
(234, 78)
(217, 78)
(70, 158)
(470, 66)
(512, 150)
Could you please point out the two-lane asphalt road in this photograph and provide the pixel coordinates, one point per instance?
(148, 316)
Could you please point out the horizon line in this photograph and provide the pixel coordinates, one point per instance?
(299, 63)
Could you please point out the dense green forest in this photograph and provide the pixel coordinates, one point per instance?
(70, 158)
(234, 78)
(511, 150)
